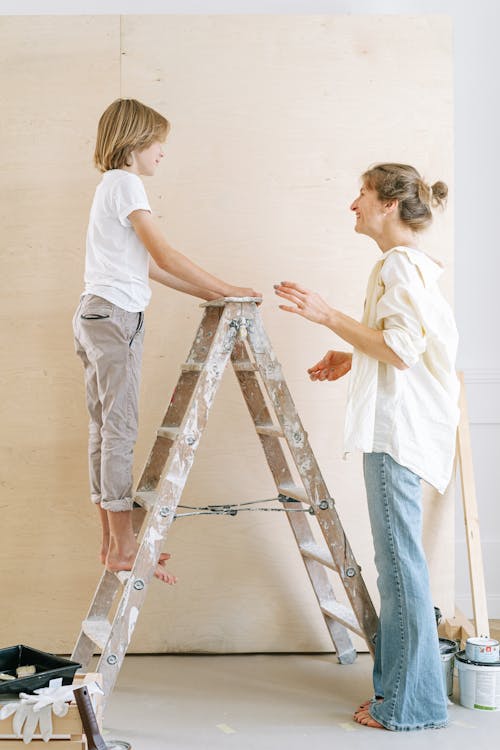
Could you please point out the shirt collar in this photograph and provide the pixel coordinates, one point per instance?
(429, 269)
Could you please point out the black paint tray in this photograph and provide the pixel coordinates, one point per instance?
(48, 667)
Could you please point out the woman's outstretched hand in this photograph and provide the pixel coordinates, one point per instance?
(332, 367)
(306, 303)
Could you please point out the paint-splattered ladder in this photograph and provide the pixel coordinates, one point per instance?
(230, 329)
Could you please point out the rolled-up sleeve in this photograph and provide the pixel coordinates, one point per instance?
(399, 308)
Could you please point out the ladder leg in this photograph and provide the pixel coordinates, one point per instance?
(314, 484)
(180, 459)
(99, 609)
(280, 470)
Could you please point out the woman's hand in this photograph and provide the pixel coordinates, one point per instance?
(307, 304)
(332, 367)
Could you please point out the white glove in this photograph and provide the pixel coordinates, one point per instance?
(36, 709)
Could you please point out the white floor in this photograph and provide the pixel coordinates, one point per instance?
(259, 702)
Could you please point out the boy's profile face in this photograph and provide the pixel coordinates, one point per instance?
(146, 161)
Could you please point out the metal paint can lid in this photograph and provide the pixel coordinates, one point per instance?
(447, 647)
(482, 650)
(118, 745)
(462, 656)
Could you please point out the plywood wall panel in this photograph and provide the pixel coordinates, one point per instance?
(273, 121)
(57, 74)
(274, 118)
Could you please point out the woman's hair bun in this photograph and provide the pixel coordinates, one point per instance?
(439, 193)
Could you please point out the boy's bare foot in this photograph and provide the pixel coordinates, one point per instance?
(363, 717)
(116, 562)
(104, 549)
(105, 533)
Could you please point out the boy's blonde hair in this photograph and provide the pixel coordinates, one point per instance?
(126, 125)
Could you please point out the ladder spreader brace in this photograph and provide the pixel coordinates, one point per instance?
(231, 329)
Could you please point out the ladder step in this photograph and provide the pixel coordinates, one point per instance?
(98, 630)
(123, 576)
(269, 429)
(146, 499)
(320, 554)
(192, 366)
(296, 493)
(245, 366)
(168, 432)
(342, 614)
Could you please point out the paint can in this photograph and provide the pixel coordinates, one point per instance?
(482, 650)
(447, 650)
(479, 684)
(118, 745)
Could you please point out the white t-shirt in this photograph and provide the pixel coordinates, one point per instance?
(116, 261)
(410, 414)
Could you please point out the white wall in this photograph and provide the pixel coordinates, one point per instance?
(477, 261)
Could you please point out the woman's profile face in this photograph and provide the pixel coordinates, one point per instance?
(370, 212)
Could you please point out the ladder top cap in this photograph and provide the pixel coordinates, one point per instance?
(224, 301)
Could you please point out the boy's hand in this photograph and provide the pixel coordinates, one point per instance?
(241, 291)
(332, 367)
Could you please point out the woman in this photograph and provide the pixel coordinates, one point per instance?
(402, 413)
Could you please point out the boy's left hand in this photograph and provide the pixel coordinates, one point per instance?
(308, 304)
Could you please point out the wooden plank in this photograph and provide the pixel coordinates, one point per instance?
(342, 614)
(98, 630)
(471, 517)
(269, 429)
(39, 744)
(191, 367)
(457, 628)
(146, 499)
(170, 433)
(322, 555)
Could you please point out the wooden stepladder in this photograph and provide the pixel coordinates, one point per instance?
(231, 329)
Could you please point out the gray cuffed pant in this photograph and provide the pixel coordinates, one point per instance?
(109, 341)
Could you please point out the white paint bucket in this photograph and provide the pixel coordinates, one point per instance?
(482, 650)
(479, 684)
(447, 650)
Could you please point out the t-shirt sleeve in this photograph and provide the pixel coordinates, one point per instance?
(129, 195)
(399, 308)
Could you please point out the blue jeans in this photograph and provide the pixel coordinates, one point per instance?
(407, 671)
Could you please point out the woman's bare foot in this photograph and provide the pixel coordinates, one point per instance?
(363, 717)
(366, 705)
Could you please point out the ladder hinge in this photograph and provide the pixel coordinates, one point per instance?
(241, 325)
(327, 504)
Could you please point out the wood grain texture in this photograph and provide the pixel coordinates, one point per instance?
(273, 120)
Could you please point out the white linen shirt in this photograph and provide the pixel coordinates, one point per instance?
(116, 261)
(410, 414)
